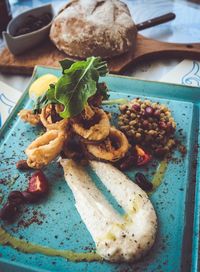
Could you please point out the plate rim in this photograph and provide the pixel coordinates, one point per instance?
(195, 240)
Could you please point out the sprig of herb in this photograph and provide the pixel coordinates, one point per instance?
(45, 99)
(78, 83)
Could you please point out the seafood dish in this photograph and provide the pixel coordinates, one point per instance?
(78, 123)
(79, 132)
(86, 134)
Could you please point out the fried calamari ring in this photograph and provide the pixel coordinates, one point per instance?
(29, 117)
(113, 148)
(45, 148)
(72, 148)
(50, 118)
(93, 132)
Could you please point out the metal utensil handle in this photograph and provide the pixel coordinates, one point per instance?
(156, 21)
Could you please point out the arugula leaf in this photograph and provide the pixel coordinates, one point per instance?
(101, 66)
(78, 83)
(65, 64)
(45, 99)
(50, 94)
(39, 104)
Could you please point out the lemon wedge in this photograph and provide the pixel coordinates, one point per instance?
(41, 85)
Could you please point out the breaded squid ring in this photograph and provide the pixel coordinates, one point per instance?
(96, 132)
(47, 122)
(29, 117)
(113, 148)
(45, 148)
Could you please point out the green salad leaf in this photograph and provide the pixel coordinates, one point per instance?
(45, 99)
(65, 64)
(78, 83)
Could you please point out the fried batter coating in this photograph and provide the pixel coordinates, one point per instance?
(94, 129)
(51, 119)
(113, 148)
(29, 117)
(88, 112)
(45, 148)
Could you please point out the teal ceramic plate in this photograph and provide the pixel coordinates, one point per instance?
(55, 224)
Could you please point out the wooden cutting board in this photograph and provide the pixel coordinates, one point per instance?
(47, 55)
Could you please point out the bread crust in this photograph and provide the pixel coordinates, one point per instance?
(86, 28)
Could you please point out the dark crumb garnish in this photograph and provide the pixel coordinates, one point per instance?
(182, 149)
(37, 218)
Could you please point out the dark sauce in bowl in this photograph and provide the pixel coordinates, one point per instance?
(33, 23)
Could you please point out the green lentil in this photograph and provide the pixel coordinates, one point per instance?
(143, 127)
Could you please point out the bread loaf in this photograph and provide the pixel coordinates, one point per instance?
(86, 28)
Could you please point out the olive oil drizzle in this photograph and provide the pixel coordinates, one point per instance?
(159, 175)
(26, 247)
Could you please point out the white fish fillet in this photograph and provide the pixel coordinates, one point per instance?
(117, 238)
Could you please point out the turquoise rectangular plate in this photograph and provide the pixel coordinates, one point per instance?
(59, 225)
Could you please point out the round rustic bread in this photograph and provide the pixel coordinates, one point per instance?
(86, 28)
